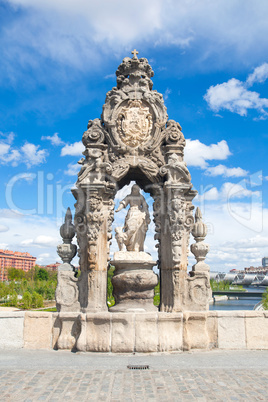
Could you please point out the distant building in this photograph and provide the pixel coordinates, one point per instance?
(265, 262)
(15, 259)
(53, 267)
(256, 270)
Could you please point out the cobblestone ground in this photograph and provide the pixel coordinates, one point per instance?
(134, 385)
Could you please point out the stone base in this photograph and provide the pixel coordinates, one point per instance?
(133, 282)
(134, 332)
(134, 306)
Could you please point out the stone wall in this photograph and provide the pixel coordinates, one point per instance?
(127, 332)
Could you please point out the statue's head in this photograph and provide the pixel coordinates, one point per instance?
(135, 190)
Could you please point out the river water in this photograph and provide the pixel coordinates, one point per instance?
(240, 304)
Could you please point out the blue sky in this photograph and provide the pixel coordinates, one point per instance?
(210, 58)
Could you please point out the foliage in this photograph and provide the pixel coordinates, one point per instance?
(265, 299)
(110, 298)
(157, 294)
(14, 274)
(27, 300)
(29, 285)
(37, 300)
(219, 286)
(42, 274)
(12, 300)
(222, 286)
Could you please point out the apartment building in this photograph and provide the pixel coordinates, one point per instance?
(15, 259)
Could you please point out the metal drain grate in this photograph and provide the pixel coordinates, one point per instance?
(139, 367)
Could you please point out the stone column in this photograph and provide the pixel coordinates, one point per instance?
(176, 222)
(93, 219)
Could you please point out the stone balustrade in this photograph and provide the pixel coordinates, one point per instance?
(134, 332)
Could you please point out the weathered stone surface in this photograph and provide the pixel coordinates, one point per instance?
(67, 292)
(98, 330)
(123, 333)
(146, 332)
(37, 330)
(198, 292)
(212, 329)
(11, 330)
(170, 332)
(231, 330)
(56, 328)
(256, 330)
(195, 333)
(133, 281)
(136, 257)
(69, 331)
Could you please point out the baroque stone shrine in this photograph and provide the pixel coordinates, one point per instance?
(133, 140)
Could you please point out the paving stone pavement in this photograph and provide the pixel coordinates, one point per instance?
(201, 376)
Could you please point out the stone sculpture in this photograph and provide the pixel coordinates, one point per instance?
(136, 223)
(134, 140)
(133, 279)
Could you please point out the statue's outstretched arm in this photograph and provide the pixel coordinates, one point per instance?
(123, 204)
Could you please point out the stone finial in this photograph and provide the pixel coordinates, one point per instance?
(67, 230)
(199, 249)
(67, 250)
(199, 230)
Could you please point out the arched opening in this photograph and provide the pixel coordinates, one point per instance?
(140, 261)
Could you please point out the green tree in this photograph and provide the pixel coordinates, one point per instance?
(3, 290)
(37, 300)
(30, 275)
(14, 274)
(27, 300)
(12, 300)
(42, 274)
(50, 289)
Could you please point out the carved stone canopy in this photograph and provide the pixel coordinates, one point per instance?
(134, 140)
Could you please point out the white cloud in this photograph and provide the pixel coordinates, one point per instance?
(35, 234)
(7, 137)
(54, 139)
(260, 74)
(234, 96)
(221, 170)
(29, 154)
(68, 30)
(249, 243)
(197, 153)
(73, 169)
(41, 241)
(167, 93)
(32, 155)
(74, 149)
(4, 228)
(228, 192)
(238, 234)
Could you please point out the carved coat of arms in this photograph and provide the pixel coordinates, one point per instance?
(134, 124)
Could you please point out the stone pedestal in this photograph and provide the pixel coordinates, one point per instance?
(133, 282)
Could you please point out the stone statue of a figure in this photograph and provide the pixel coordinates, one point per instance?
(132, 235)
